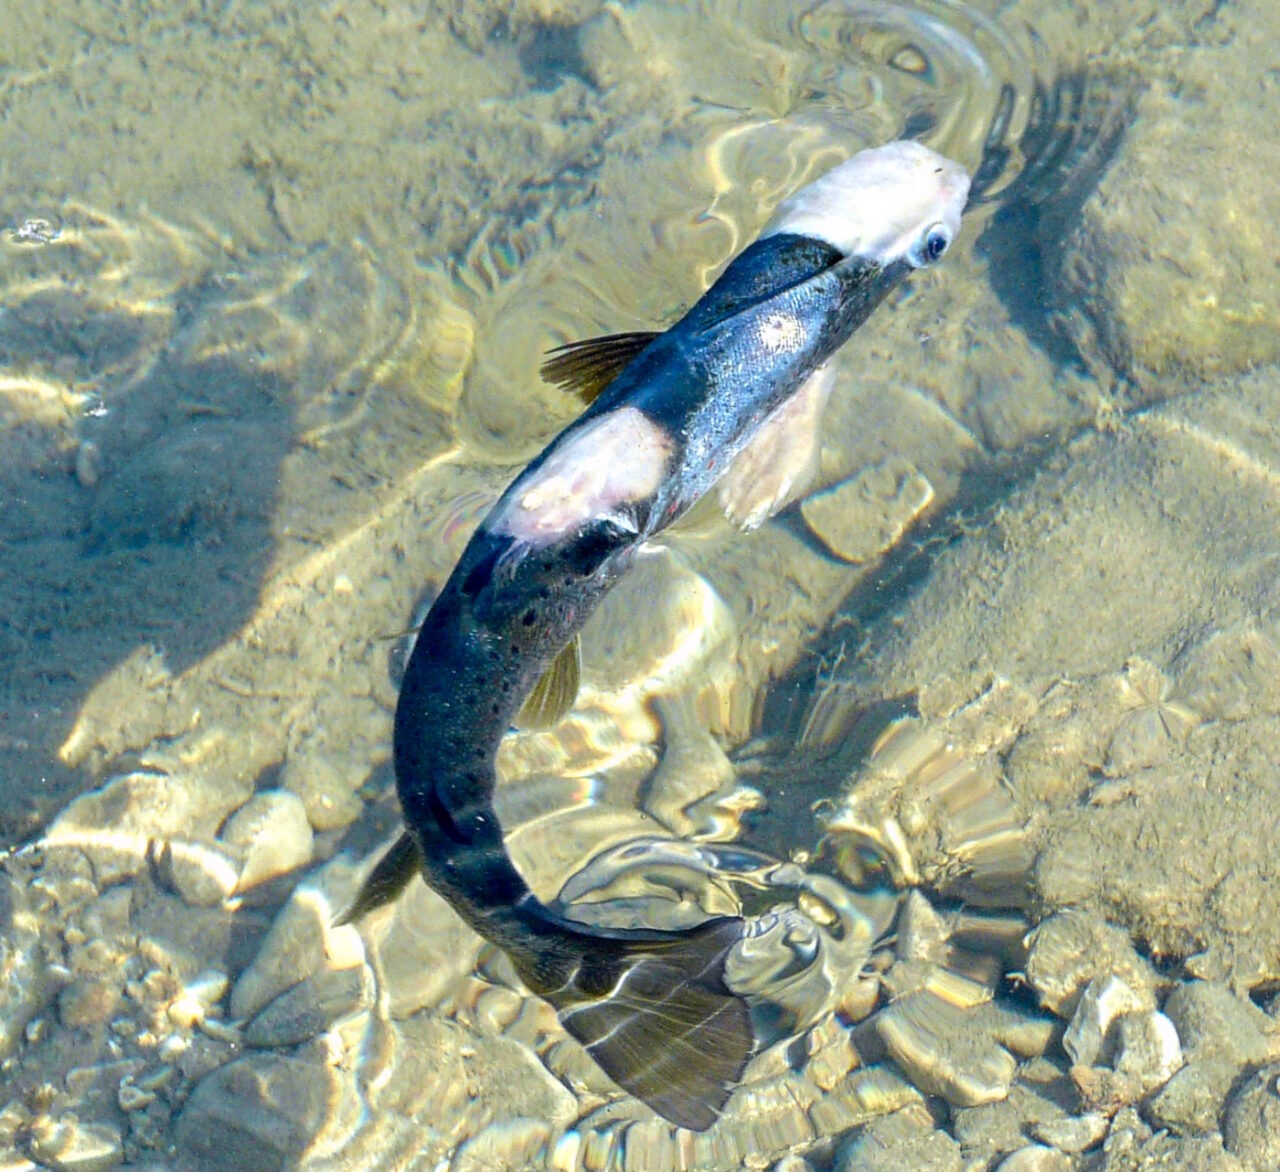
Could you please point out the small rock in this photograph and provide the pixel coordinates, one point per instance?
(905, 1139)
(649, 1144)
(310, 1007)
(422, 951)
(1072, 948)
(1252, 1128)
(139, 809)
(1106, 999)
(513, 1143)
(1148, 1049)
(1042, 1094)
(792, 1163)
(859, 518)
(192, 1005)
(302, 940)
(258, 1112)
(1190, 1103)
(72, 1146)
(1035, 1158)
(1164, 1151)
(25, 984)
(1209, 1016)
(90, 1001)
(272, 831)
(1076, 1133)
(328, 793)
(202, 874)
(944, 1050)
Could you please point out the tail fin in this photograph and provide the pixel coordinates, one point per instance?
(658, 1018)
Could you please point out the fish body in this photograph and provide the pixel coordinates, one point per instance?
(652, 1007)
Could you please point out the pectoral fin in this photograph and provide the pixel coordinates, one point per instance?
(780, 462)
(553, 695)
(586, 368)
(392, 874)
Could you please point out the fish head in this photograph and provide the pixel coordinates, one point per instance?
(892, 203)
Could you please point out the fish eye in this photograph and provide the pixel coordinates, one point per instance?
(930, 247)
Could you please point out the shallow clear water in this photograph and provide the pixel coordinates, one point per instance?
(274, 288)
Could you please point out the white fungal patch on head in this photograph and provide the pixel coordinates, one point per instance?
(618, 459)
(900, 200)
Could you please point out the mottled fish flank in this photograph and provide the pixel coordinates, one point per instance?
(722, 396)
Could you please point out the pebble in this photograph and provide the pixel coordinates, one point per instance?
(1196, 307)
(197, 997)
(1076, 1133)
(905, 1139)
(327, 792)
(302, 940)
(422, 951)
(1252, 1128)
(1042, 1093)
(649, 1146)
(25, 985)
(1210, 1017)
(1148, 1049)
(259, 1112)
(273, 833)
(1190, 1103)
(72, 1146)
(1088, 1038)
(1035, 1158)
(859, 518)
(310, 1007)
(90, 1001)
(202, 874)
(513, 1143)
(117, 824)
(1072, 948)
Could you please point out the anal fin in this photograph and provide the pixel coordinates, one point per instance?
(781, 460)
(553, 695)
(585, 368)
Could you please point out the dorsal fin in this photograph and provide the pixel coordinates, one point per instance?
(585, 368)
(553, 695)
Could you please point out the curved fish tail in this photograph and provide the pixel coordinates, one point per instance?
(652, 1008)
(658, 1017)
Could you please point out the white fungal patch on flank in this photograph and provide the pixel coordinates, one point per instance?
(619, 459)
(881, 204)
(781, 333)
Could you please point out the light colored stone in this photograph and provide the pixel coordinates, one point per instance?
(310, 1007)
(1087, 1038)
(272, 832)
(257, 1112)
(859, 518)
(1252, 1127)
(72, 1146)
(1035, 1158)
(302, 940)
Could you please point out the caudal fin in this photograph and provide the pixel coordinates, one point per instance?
(659, 1019)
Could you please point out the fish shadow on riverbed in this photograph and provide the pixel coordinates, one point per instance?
(1075, 130)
